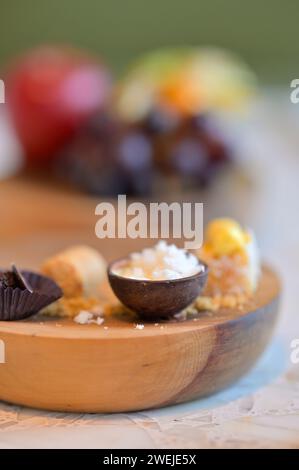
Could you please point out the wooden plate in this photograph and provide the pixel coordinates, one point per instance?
(59, 365)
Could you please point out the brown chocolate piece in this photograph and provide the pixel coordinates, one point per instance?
(7, 279)
(25, 294)
(14, 279)
(21, 281)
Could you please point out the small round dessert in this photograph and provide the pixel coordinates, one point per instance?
(154, 299)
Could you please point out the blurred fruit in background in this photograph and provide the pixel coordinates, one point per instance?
(185, 81)
(178, 95)
(11, 151)
(108, 158)
(194, 150)
(51, 92)
(159, 123)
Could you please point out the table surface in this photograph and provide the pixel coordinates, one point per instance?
(262, 409)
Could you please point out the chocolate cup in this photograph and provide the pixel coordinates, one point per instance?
(153, 300)
(18, 304)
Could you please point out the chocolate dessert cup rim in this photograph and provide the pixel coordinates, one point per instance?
(36, 291)
(19, 304)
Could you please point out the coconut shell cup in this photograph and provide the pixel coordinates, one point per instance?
(18, 304)
(153, 300)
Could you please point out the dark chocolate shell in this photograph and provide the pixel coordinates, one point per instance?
(18, 304)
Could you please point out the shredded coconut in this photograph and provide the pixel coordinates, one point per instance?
(162, 262)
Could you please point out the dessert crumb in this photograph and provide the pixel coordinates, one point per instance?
(86, 318)
(181, 316)
(83, 317)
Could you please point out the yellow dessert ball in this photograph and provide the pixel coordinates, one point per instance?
(225, 237)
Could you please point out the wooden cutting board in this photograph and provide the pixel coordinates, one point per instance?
(59, 365)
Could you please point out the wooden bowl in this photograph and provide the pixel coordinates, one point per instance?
(60, 365)
(155, 299)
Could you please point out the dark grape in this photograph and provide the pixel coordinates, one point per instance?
(106, 158)
(160, 121)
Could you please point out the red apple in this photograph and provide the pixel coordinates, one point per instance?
(52, 91)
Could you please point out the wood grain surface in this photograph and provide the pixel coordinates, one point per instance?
(60, 365)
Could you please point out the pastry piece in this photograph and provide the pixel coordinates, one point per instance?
(70, 307)
(233, 259)
(78, 271)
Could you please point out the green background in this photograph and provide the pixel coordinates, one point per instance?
(265, 33)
